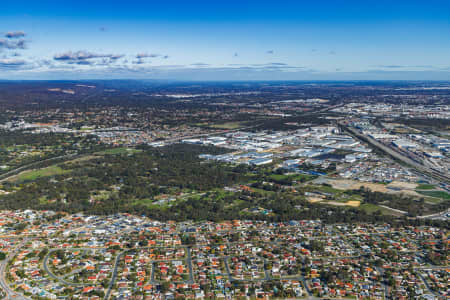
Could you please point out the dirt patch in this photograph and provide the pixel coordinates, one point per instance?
(353, 203)
(348, 203)
(342, 184)
(395, 187)
(409, 193)
(346, 184)
(402, 185)
(314, 199)
(335, 203)
(374, 187)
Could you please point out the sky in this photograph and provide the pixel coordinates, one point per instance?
(225, 40)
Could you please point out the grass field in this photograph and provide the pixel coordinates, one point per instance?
(227, 125)
(436, 194)
(101, 195)
(433, 200)
(43, 200)
(371, 208)
(424, 186)
(292, 177)
(149, 203)
(34, 174)
(327, 189)
(144, 202)
(114, 151)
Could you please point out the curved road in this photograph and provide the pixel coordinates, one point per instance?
(10, 294)
(50, 273)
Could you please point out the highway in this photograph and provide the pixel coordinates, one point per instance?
(6, 176)
(422, 168)
(9, 174)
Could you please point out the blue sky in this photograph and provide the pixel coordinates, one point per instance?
(225, 40)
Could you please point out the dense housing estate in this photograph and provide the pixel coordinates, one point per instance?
(129, 257)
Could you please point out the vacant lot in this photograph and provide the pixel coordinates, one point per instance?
(345, 184)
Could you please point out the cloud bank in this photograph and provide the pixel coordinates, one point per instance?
(88, 64)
